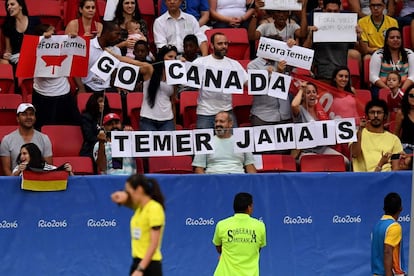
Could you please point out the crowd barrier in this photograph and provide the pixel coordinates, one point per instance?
(317, 223)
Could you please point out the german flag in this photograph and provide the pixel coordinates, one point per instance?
(44, 181)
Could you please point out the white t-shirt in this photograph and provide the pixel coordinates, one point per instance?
(51, 87)
(269, 29)
(162, 110)
(210, 103)
(233, 8)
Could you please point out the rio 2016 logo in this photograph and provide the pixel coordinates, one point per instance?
(405, 218)
(346, 219)
(199, 222)
(8, 224)
(52, 223)
(297, 220)
(101, 223)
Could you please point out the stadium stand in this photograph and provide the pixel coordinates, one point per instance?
(242, 103)
(238, 42)
(322, 163)
(170, 164)
(8, 106)
(188, 106)
(6, 79)
(66, 140)
(277, 163)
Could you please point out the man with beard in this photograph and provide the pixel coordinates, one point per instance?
(209, 103)
(12, 142)
(110, 36)
(224, 159)
(374, 147)
(102, 152)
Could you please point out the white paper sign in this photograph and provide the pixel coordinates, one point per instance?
(257, 82)
(105, 65)
(327, 134)
(285, 136)
(162, 143)
(121, 143)
(264, 138)
(335, 27)
(346, 130)
(141, 144)
(202, 140)
(183, 142)
(279, 85)
(177, 70)
(233, 81)
(195, 74)
(126, 76)
(243, 139)
(284, 5)
(278, 50)
(305, 136)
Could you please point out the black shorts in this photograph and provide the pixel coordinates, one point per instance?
(154, 268)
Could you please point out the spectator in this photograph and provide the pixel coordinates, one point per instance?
(191, 49)
(341, 80)
(281, 28)
(102, 151)
(239, 255)
(200, 9)
(393, 57)
(404, 121)
(158, 106)
(52, 98)
(11, 143)
(374, 142)
(210, 103)
(386, 245)
(329, 55)
(133, 29)
(268, 110)
(127, 10)
(96, 108)
(142, 53)
(30, 158)
(85, 25)
(362, 7)
(406, 14)
(224, 159)
(17, 24)
(395, 96)
(305, 109)
(174, 25)
(109, 37)
(231, 14)
(373, 27)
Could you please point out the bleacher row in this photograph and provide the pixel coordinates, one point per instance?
(55, 12)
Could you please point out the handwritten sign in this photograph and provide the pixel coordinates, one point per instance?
(278, 50)
(282, 5)
(335, 27)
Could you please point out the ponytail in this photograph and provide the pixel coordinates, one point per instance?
(149, 185)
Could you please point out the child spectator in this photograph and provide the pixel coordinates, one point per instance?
(134, 33)
(396, 94)
(191, 49)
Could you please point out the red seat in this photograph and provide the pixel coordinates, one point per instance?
(355, 72)
(238, 41)
(322, 163)
(6, 129)
(188, 107)
(66, 140)
(80, 164)
(278, 163)
(114, 100)
(3, 13)
(242, 103)
(140, 165)
(366, 72)
(134, 103)
(170, 164)
(26, 86)
(49, 12)
(406, 36)
(6, 79)
(383, 94)
(147, 9)
(363, 96)
(8, 107)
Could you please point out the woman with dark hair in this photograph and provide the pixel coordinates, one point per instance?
(127, 10)
(404, 121)
(393, 57)
(341, 79)
(144, 196)
(85, 25)
(17, 24)
(30, 158)
(97, 106)
(158, 106)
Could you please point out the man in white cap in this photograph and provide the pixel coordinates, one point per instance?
(12, 142)
(102, 152)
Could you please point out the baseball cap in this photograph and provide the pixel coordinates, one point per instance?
(23, 107)
(110, 117)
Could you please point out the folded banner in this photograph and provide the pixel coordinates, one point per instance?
(44, 181)
(57, 56)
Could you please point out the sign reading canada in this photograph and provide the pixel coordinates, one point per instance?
(53, 57)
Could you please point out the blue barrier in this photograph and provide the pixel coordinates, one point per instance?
(317, 224)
